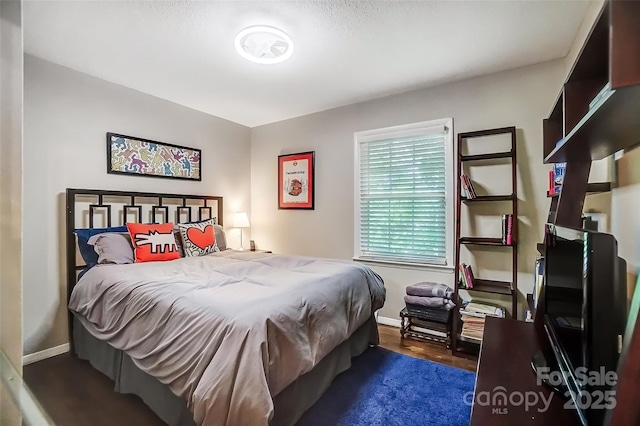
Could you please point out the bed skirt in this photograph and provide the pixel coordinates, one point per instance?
(289, 404)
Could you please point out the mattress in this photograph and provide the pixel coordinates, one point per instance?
(227, 332)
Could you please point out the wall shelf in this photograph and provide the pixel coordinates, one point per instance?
(483, 198)
(461, 344)
(592, 188)
(484, 241)
(491, 286)
(596, 113)
(609, 127)
(489, 156)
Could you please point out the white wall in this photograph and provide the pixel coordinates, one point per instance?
(66, 117)
(520, 97)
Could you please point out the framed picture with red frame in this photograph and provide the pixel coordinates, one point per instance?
(296, 184)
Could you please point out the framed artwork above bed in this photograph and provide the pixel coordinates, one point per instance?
(143, 157)
(296, 185)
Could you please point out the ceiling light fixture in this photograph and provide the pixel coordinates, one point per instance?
(264, 45)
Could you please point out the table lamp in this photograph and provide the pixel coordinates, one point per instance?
(241, 220)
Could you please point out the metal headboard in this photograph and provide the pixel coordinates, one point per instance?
(98, 200)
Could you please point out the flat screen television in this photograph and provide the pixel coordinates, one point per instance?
(583, 316)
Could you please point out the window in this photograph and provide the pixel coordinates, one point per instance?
(404, 194)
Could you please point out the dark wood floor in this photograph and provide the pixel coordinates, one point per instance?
(390, 339)
(73, 393)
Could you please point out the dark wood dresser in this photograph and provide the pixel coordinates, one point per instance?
(504, 368)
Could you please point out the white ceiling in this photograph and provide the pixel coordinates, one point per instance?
(345, 51)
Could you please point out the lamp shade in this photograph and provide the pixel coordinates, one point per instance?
(241, 220)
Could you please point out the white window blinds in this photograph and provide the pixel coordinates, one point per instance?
(403, 197)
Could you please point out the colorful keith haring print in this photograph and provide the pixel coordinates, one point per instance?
(143, 157)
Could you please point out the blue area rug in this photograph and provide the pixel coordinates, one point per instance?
(386, 388)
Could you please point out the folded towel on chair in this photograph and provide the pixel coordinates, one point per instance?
(430, 290)
(430, 302)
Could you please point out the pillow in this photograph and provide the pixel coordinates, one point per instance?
(176, 235)
(86, 251)
(113, 248)
(198, 238)
(153, 242)
(221, 237)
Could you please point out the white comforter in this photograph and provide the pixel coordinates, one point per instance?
(228, 331)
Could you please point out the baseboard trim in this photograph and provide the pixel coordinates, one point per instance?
(47, 353)
(393, 322)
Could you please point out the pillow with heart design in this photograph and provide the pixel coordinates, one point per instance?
(198, 238)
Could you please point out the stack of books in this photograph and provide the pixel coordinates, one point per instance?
(466, 276)
(507, 229)
(473, 317)
(472, 325)
(467, 187)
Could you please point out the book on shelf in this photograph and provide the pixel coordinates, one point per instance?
(466, 276)
(467, 185)
(482, 308)
(469, 275)
(472, 322)
(558, 176)
(507, 229)
(463, 277)
(474, 330)
(552, 186)
(470, 327)
(468, 314)
(470, 183)
(509, 237)
(471, 335)
(463, 184)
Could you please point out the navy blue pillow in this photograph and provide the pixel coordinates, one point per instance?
(88, 253)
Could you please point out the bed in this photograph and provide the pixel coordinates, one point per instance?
(224, 339)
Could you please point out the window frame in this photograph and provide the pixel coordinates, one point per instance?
(450, 190)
